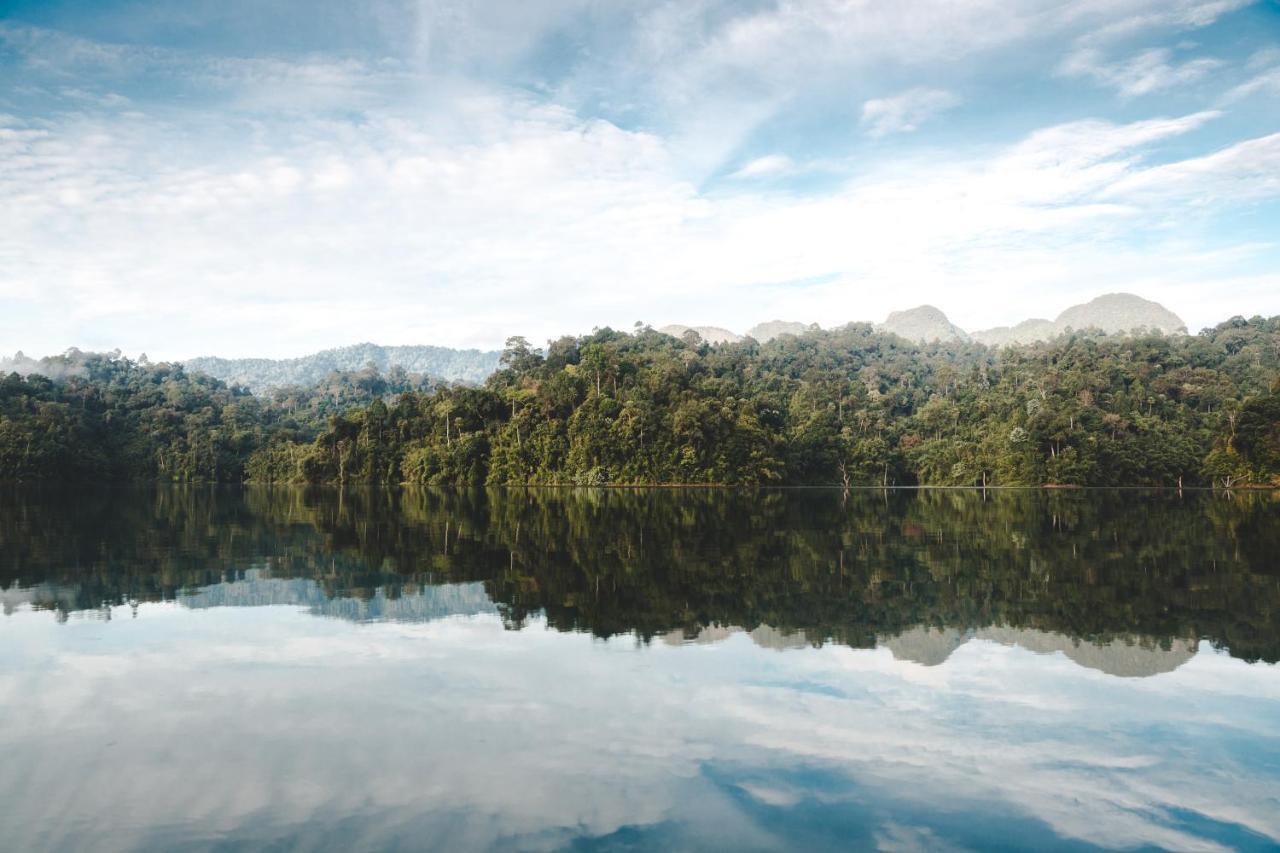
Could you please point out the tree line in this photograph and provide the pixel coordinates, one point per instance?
(850, 406)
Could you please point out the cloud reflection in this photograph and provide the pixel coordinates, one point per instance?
(188, 729)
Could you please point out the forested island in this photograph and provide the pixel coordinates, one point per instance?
(851, 406)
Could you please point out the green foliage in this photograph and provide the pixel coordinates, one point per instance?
(848, 407)
(1257, 437)
(107, 418)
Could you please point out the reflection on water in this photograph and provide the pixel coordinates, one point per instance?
(221, 669)
(1117, 570)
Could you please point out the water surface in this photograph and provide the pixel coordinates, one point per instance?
(202, 669)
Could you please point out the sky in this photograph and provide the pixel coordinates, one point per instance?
(274, 177)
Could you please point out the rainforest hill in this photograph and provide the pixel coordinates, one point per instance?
(851, 406)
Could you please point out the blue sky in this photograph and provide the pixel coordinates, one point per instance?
(271, 178)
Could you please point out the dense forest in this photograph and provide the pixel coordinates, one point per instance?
(850, 406)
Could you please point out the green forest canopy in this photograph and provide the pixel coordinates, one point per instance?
(849, 406)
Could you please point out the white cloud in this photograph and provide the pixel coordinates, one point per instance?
(713, 72)
(1148, 72)
(1264, 58)
(251, 83)
(527, 219)
(1118, 20)
(905, 112)
(1268, 82)
(995, 729)
(1248, 169)
(415, 196)
(1266, 62)
(771, 165)
(1079, 145)
(108, 99)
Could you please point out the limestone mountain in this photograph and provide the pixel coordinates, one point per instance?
(710, 334)
(924, 323)
(1117, 313)
(1026, 332)
(763, 332)
(762, 635)
(1127, 657)
(1114, 313)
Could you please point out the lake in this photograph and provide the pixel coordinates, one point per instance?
(292, 669)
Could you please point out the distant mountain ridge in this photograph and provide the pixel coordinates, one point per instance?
(261, 374)
(1126, 657)
(710, 334)
(1113, 313)
(765, 332)
(762, 332)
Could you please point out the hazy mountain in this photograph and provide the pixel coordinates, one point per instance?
(768, 331)
(710, 334)
(1130, 657)
(925, 323)
(1026, 332)
(925, 646)
(427, 604)
(260, 374)
(1114, 313)
(762, 635)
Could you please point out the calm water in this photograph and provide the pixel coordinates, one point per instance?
(189, 669)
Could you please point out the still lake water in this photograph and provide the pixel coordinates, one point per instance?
(288, 669)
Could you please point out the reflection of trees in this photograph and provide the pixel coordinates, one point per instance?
(1091, 565)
